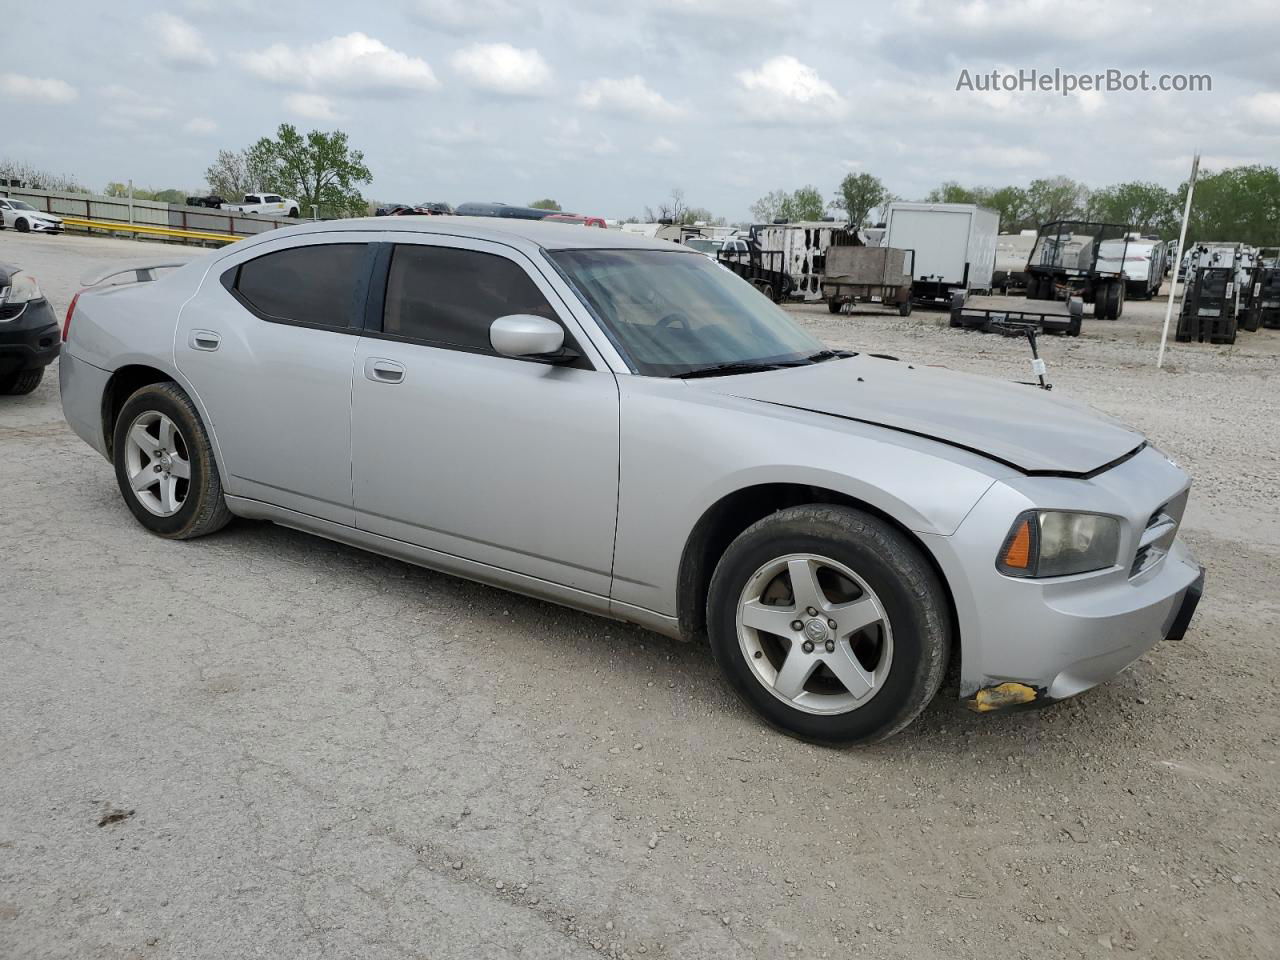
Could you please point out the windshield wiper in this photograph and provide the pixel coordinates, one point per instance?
(737, 366)
(822, 355)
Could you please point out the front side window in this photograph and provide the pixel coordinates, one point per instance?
(314, 285)
(449, 297)
(676, 313)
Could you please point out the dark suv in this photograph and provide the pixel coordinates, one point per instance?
(29, 335)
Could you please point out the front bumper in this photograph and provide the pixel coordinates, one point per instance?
(30, 339)
(44, 226)
(1032, 640)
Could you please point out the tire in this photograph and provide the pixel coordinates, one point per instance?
(202, 508)
(1102, 302)
(293, 213)
(21, 225)
(1118, 311)
(902, 655)
(834, 305)
(904, 309)
(21, 382)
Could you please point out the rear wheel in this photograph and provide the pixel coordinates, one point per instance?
(21, 382)
(164, 464)
(904, 309)
(829, 623)
(834, 305)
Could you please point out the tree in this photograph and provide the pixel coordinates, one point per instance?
(1240, 204)
(237, 172)
(38, 179)
(547, 204)
(1056, 198)
(676, 210)
(141, 193)
(1012, 205)
(1147, 207)
(319, 170)
(807, 204)
(859, 194)
(952, 192)
(769, 207)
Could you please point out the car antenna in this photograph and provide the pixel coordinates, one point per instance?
(1014, 329)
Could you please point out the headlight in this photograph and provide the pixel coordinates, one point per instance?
(22, 289)
(1055, 543)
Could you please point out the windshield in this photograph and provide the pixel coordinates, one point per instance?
(703, 245)
(675, 313)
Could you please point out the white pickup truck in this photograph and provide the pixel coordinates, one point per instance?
(266, 205)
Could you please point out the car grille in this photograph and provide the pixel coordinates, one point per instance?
(1158, 535)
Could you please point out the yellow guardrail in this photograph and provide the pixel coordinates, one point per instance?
(149, 228)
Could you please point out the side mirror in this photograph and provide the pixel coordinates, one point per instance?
(526, 335)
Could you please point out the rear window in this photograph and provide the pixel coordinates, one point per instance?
(314, 285)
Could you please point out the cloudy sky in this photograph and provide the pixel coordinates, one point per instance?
(607, 105)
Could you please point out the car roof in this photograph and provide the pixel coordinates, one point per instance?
(514, 232)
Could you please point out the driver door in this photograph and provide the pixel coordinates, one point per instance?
(509, 462)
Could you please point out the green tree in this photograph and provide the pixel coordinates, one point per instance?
(1240, 204)
(237, 172)
(319, 169)
(1013, 206)
(144, 193)
(1147, 207)
(807, 204)
(547, 204)
(952, 192)
(769, 207)
(858, 195)
(1056, 198)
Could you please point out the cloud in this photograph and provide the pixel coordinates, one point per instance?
(40, 89)
(313, 106)
(352, 64)
(180, 44)
(127, 109)
(663, 147)
(628, 95)
(200, 126)
(468, 16)
(784, 88)
(1263, 107)
(502, 68)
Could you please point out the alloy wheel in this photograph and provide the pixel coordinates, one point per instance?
(814, 634)
(158, 463)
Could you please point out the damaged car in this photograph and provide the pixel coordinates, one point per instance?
(621, 426)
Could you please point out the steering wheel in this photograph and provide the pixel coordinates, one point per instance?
(671, 318)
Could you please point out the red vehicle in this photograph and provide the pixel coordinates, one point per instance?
(576, 218)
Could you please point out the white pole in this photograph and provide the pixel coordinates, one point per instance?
(1182, 248)
(130, 201)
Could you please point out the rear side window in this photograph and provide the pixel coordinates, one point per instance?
(449, 298)
(314, 285)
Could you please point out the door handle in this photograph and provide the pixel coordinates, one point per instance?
(205, 340)
(383, 371)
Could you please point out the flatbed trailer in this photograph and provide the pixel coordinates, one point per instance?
(857, 274)
(992, 313)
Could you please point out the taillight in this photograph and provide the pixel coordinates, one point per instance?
(66, 324)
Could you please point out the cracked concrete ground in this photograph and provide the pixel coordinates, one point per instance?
(315, 752)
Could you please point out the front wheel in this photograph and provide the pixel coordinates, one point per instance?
(21, 382)
(22, 226)
(293, 213)
(164, 464)
(829, 623)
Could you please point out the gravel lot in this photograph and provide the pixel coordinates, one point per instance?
(262, 744)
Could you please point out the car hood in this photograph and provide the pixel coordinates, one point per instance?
(1019, 425)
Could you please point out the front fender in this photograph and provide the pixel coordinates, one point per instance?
(683, 451)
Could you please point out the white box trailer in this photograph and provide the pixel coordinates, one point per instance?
(954, 244)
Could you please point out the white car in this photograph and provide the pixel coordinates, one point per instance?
(266, 205)
(24, 218)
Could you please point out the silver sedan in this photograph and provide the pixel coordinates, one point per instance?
(622, 426)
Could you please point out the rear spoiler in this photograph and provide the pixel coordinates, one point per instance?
(143, 272)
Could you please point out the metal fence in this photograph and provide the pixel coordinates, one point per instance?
(125, 211)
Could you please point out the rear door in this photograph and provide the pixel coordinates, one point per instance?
(509, 462)
(268, 344)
